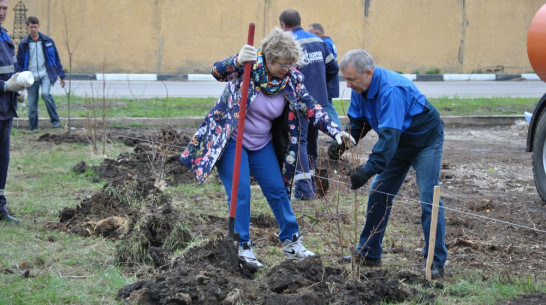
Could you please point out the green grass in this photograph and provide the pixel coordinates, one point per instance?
(63, 268)
(484, 106)
(469, 106)
(474, 288)
(199, 107)
(137, 108)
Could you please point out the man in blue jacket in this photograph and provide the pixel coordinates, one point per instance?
(319, 67)
(411, 134)
(333, 84)
(37, 53)
(8, 106)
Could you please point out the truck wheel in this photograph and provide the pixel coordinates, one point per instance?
(539, 157)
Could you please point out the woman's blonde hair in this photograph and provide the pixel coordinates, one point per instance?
(279, 44)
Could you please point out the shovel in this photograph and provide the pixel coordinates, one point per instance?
(239, 144)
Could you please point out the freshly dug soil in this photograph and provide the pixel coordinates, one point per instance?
(495, 226)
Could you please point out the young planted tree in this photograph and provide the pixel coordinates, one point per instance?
(70, 50)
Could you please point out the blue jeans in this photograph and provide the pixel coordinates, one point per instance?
(33, 98)
(265, 169)
(304, 187)
(5, 130)
(385, 186)
(332, 113)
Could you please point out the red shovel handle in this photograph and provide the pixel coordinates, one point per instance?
(239, 143)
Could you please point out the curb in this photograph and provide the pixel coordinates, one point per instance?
(208, 77)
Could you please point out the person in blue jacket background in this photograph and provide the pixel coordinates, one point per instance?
(411, 134)
(37, 53)
(333, 84)
(319, 67)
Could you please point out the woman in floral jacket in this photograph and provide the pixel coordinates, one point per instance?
(271, 133)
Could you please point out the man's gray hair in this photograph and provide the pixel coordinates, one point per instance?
(360, 59)
(279, 44)
(317, 27)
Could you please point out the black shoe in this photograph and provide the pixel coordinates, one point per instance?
(363, 261)
(435, 271)
(5, 216)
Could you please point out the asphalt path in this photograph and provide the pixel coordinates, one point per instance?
(149, 89)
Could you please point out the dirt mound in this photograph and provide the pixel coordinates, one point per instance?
(64, 138)
(210, 274)
(156, 155)
(135, 212)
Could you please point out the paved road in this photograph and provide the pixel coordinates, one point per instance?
(147, 89)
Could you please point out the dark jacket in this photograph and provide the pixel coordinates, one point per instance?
(333, 84)
(320, 65)
(52, 61)
(8, 101)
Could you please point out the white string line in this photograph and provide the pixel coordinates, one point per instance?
(399, 196)
(450, 209)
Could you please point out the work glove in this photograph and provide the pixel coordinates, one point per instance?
(358, 178)
(247, 53)
(25, 78)
(22, 96)
(345, 138)
(12, 84)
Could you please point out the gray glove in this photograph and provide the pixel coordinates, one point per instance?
(12, 84)
(247, 53)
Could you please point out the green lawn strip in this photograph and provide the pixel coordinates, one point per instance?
(81, 107)
(199, 107)
(469, 106)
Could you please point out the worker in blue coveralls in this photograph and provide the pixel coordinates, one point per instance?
(9, 87)
(333, 84)
(411, 134)
(319, 67)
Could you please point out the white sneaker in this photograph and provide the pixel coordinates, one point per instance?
(293, 249)
(247, 256)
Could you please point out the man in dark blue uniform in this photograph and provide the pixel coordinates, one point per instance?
(411, 134)
(319, 67)
(8, 105)
(333, 84)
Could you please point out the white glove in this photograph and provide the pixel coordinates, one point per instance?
(12, 84)
(247, 53)
(26, 78)
(22, 96)
(345, 137)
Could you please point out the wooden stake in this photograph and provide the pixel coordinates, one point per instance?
(432, 236)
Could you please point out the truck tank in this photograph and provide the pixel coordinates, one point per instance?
(536, 136)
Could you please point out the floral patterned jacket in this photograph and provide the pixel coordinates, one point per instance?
(209, 141)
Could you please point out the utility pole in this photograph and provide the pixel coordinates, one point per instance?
(19, 23)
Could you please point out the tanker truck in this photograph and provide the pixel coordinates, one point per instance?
(536, 135)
